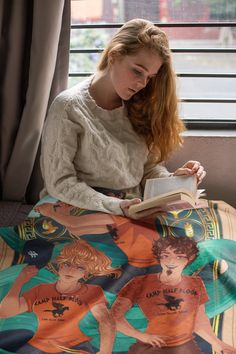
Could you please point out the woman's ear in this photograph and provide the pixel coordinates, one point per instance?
(112, 56)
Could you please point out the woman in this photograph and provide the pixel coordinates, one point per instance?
(116, 128)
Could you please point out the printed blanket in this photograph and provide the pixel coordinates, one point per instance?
(79, 281)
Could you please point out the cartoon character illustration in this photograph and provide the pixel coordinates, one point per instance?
(130, 236)
(60, 306)
(174, 304)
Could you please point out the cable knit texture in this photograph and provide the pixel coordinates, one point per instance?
(85, 146)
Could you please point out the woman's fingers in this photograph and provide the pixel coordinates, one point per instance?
(125, 204)
(182, 171)
(148, 213)
(191, 168)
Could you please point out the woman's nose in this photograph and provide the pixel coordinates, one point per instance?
(143, 82)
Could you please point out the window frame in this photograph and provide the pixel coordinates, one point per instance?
(200, 123)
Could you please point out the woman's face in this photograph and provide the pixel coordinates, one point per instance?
(131, 73)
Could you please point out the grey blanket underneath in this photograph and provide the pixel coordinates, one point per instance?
(12, 213)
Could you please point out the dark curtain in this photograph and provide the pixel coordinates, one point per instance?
(34, 54)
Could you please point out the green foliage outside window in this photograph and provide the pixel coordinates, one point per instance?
(219, 10)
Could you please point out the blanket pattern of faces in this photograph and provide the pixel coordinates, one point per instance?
(79, 281)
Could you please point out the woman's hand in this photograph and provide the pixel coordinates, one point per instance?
(191, 168)
(148, 213)
(125, 204)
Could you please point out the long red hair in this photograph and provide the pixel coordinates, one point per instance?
(153, 111)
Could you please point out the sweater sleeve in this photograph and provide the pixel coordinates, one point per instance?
(60, 141)
(154, 170)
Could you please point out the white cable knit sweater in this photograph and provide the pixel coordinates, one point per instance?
(86, 146)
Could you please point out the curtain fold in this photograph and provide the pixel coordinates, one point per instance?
(35, 37)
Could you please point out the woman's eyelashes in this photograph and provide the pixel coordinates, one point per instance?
(138, 72)
(140, 75)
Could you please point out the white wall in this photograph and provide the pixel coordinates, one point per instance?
(217, 152)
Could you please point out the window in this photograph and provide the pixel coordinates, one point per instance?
(202, 36)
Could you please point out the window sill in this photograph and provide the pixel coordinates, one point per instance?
(210, 133)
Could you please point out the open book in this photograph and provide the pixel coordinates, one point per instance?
(169, 193)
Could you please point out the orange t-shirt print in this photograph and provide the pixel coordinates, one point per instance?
(170, 310)
(59, 315)
(135, 239)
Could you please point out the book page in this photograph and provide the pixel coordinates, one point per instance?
(157, 186)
